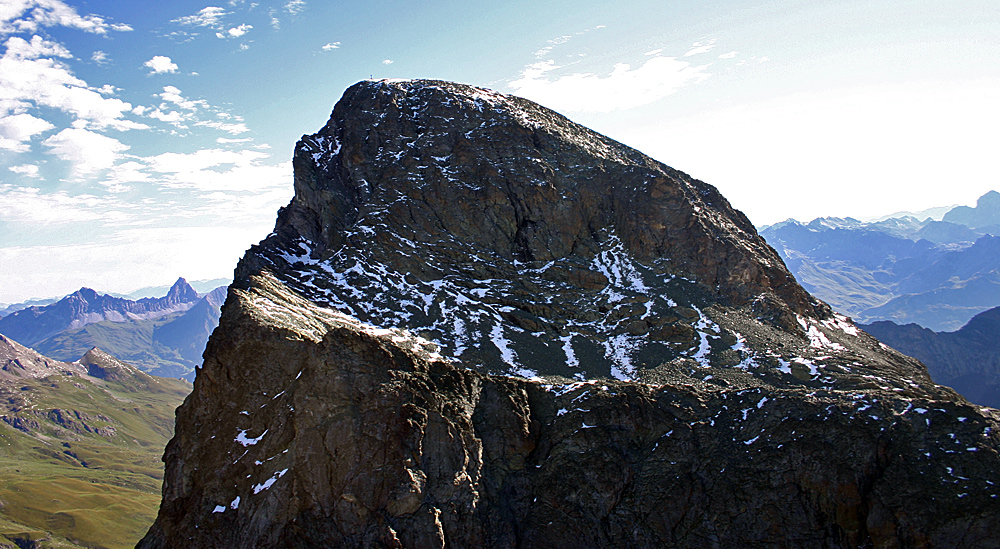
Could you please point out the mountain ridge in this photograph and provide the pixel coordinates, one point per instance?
(85, 306)
(479, 324)
(936, 273)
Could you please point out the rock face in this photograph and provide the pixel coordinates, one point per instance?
(85, 306)
(479, 324)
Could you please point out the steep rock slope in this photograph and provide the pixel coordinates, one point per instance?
(85, 306)
(967, 359)
(479, 324)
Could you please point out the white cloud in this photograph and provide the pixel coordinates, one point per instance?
(295, 7)
(729, 55)
(150, 256)
(235, 128)
(99, 57)
(387, 62)
(160, 64)
(206, 17)
(28, 78)
(235, 32)
(225, 140)
(654, 52)
(30, 206)
(331, 46)
(233, 173)
(700, 47)
(27, 170)
(182, 113)
(552, 44)
(624, 88)
(17, 130)
(87, 151)
(31, 15)
(173, 95)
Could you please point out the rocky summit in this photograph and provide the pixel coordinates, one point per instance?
(478, 324)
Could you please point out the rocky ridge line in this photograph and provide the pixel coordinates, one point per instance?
(478, 324)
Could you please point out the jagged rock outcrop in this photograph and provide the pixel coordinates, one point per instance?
(85, 306)
(479, 324)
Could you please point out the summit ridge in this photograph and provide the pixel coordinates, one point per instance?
(479, 324)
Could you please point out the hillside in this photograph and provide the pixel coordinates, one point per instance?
(80, 446)
(967, 360)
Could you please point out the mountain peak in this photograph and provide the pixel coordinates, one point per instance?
(471, 299)
(441, 184)
(989, 200)
(181, 291)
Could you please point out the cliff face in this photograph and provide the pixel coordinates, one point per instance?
(479, 324)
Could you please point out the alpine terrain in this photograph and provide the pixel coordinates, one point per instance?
(938, 273)
(163, 336)
(79, 448)
(967, 359)
(478, 324)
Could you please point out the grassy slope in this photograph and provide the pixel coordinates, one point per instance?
(78, 488)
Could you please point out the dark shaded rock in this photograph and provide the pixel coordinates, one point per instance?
(480, 325)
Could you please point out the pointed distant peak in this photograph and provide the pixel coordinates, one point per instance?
(86, 293)
(182, 291)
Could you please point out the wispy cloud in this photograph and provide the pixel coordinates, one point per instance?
(31, 15)
(32, 75)
(624, 88)
(295, 7)
(182, 113)
(206, 17)
(331, 46)
(99, 57)
(160, 64)
(30, 206)
(387, 61)
(700, 47)
(729, 55)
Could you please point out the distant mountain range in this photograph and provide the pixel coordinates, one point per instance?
(938, 274)
(968, 360)
(80, 462)
(164, 336)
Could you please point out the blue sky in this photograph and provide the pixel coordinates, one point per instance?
(142, 141)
